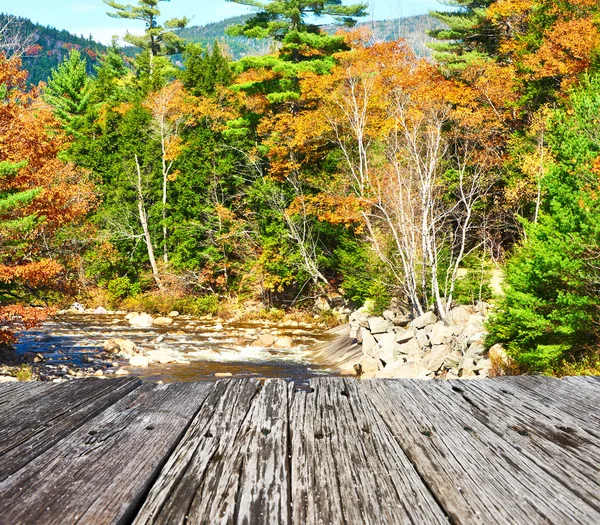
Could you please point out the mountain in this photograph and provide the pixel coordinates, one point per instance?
(413, 29)
(43, 48)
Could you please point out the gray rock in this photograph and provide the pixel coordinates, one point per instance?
(402, 320)
(452, 360)
(122, 347)
(174, 313)
(386, 339)
(101, 311)
(369, 364)
(404, 335)
(458, 315)
(162, 321)
(441, 334)
(411, 349)
(139, 360)
(378, 325)
(466, 363)
(399, 370)
(368, 342)
(424, 320)
(389, 352)
(423, 339)
(161, 356)
(475, 350)
(141, 321)
(388, 315)
(434, 359)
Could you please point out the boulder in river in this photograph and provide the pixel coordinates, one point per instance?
(174, 313)
(283, 342)
(161, 356)
(142, 321)
(138, 360)
(123, 347)
(162, 321)
(101, 310)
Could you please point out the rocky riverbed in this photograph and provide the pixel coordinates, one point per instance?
(167, 348)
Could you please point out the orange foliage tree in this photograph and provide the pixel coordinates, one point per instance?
(419, 153)
(40, 195)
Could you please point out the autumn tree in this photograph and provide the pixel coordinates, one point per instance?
(40, 196)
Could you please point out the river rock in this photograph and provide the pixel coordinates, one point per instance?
(386, 339)
(428, 318)
(8, 379)
(378, 325)
(131, 315)
(100, 311)
(138, 360)
(78, 308)
(223, 374)
(283, 342)
(399, 370)
(162, 321)
(453, 360)
(389, 352)
(174, 313)
(122, 347)
(160, 356)
(98, 373)
(142, 321)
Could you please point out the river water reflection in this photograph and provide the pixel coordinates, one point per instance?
(205, 347)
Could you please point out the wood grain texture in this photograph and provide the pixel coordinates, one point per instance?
(204, 480)
(100, 472)
(477, 476)
(346, 465)
(522, 450)
(34, 424)
(555, 442)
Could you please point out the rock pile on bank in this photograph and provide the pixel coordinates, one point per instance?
(394, 346)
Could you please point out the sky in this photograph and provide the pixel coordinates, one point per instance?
(85, 17)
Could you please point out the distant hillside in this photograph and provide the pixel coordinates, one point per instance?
(413, 29)
(47, 46)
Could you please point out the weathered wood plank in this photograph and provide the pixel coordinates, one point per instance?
(30, 428)
(20, 392)
(476, 475)
(100, 473)
(593, 381)
(562, 396)
(553, 440)
(203, 480)
(347, 466)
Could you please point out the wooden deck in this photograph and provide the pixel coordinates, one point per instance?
(514, 450)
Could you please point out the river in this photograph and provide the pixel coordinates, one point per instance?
(205, 348)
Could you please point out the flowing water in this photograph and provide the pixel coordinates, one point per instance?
(203, 347)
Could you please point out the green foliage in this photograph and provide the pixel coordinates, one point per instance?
(552, 301)
(204, 71)
(157, 39)
(469, 34)
(68, 92)
(206, 305)
(277, 18)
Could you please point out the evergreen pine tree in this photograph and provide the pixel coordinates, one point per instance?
(204, 71)
(68, 91)
(470, 35)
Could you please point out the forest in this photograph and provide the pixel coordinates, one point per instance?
(340, 165)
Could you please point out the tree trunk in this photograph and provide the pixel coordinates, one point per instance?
(144, 223)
